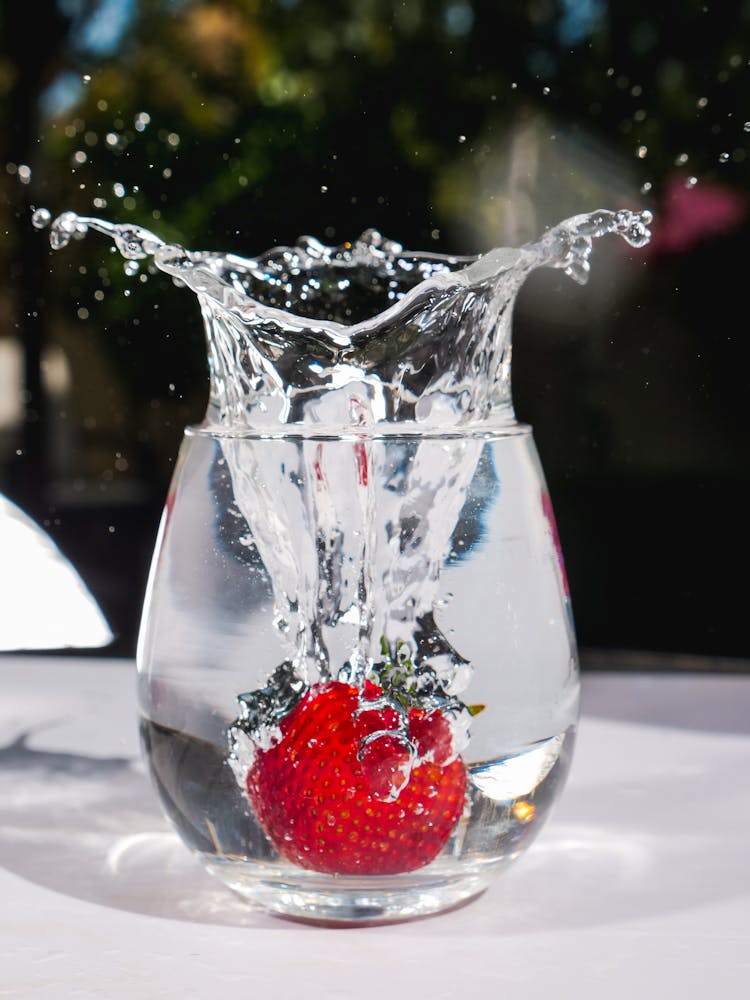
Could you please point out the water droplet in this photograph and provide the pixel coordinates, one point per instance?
(41, 218)
(701, 102)
(141, 120)
(118, 190)
(166, 173)
(131, 267)
(79, 157)
(681, 159)
(111, 139)
(24, 173)
(641, 152)
(173, 139)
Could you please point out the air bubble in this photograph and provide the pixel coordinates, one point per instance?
(641, 152)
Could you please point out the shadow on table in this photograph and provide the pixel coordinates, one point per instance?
(90, 828)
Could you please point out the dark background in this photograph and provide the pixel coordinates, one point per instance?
(455, 126)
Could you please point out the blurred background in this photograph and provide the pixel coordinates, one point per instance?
(453, 125)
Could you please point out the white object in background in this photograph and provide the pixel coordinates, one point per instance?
(44, 604)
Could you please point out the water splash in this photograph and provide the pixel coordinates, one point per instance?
(362, 334)
(358, 360)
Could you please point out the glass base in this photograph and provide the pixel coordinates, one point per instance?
(325, 899)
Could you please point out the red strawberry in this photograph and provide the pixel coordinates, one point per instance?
(345, 791)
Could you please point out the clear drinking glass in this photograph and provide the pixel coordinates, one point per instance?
(494, 618)
(357, 670)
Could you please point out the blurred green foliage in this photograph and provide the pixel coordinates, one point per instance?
(236, 124)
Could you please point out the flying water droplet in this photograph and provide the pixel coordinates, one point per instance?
(41, 218)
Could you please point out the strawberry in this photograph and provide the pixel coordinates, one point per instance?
(357, 785)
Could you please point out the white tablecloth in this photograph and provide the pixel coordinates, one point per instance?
(639, 887)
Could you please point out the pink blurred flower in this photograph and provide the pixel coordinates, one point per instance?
(688, 215)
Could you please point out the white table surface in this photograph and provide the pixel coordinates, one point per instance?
(639, 886)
